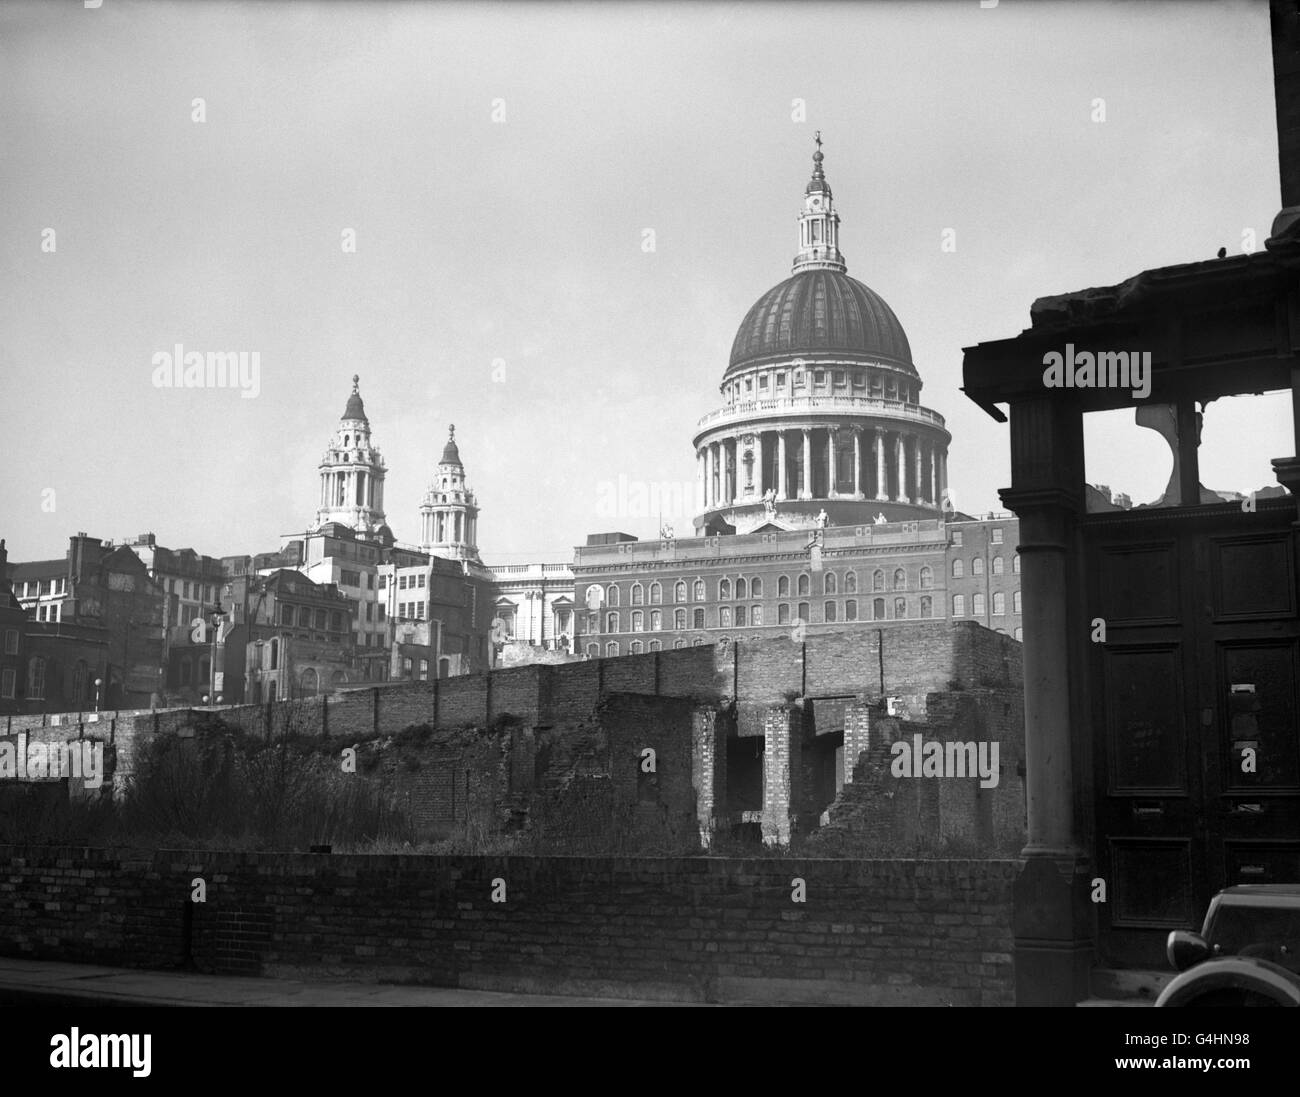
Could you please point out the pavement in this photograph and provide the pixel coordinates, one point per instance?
(48, 982)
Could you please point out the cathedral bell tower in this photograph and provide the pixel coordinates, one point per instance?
(352, 473)
(449, 512)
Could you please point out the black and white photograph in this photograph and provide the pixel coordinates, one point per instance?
(640, 504)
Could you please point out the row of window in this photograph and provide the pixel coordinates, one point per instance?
(978, 605)
(408, 611)
(191, 589)
(304, 616)
(753, 588)
(82, 681)
(977, 566)
(740, 616)
(39, 588)
(872, 382)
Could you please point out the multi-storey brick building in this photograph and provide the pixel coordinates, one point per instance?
(93, 635)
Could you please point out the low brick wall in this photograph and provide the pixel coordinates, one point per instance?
(694, 929)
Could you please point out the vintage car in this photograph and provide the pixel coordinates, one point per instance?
(1247, 953)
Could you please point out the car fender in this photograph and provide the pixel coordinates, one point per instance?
(1246, 973)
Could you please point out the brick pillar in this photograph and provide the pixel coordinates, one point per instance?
(857, 737)
(708, 771)
(780, 774)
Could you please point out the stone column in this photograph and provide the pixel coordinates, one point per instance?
(900, 465)
(759, 455)
(710, 474)
(857, 462)
(781, 766)
(1053, 917)
(700, 501)
(916, 470)
(832, 436)
(782, 488)
(882, 478)
(806, 491)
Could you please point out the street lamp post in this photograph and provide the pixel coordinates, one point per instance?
(98, 682)
(214, 617)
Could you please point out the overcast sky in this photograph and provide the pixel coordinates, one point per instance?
(520, 237)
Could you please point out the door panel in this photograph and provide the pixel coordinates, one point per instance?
(1199, 673)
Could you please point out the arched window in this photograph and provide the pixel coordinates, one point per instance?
(997, 565)
(828, 611)
(900, 579)
(927, 577)
(977, 565)
(611, 622)
(611, 648)
(656, 620)
(999, 603)
(877, 580)
(828, 583)
(698, 618)
(593, 651)
(850, 582)
(611, 595)
(783, 613)
(310, 682)
(756, 588)
(927, 606)
(724, 589)
(678, 644)
(638, 594)
(724, 617)
(1015, 564)
(679, 618)
(1015, 601)
(804, 614)
(275, 655)
(740, 617)
(679, 591)
(803, 584)
(783, 587)
(756, 615)
(900, 607)
(656, 594)
(977, 605)
(638, 620)
(655, 645)
(958, 569)
(634, 648)
(878, 609)
(851, 610)
(742, 589)
(699, 590)
(959, 605)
